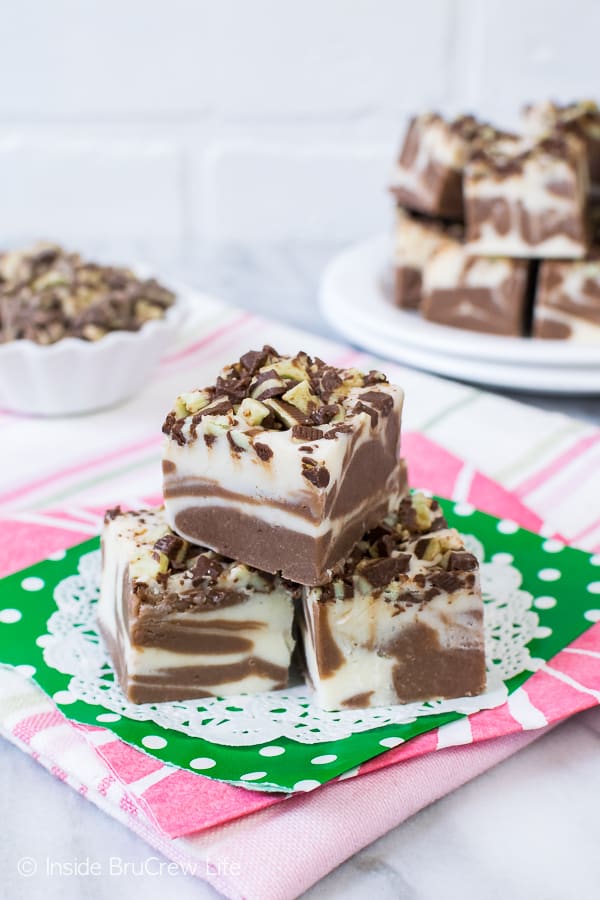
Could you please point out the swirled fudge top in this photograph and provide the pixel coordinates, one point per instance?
(509, 156)
(466, 127)
(582, 117)
(265, 391)
(451, 139)
(173, 575)
(411, 557)
(47, 294)
(475, 133)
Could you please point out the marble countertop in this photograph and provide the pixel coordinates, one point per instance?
(526, 829)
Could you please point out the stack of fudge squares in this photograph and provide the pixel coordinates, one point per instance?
(498, 232)
(288, 530)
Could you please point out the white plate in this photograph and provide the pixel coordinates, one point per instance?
(356, 300)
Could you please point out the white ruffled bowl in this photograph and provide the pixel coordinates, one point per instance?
(74, 376)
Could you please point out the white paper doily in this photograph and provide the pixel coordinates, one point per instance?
(73, 647)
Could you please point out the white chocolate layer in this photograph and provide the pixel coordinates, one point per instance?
(581, 331)
(452, 267)
(557, 247)
(415, 240)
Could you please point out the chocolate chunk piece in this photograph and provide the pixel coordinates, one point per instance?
(316, 474)
(266, 385)
(338, 429)
(383, 403)
(380, 572)
(462, 561)
(370, 411)
(206, 567)
(446, 581)
(324, 414)
(235, 389)
(172, 546)
(330, 380)
(263, 451)
(254, 359)
(306, 433)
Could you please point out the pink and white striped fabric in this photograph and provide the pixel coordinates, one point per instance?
(534, 468)
(180, 803)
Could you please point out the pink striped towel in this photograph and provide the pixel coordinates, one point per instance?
(179, 803)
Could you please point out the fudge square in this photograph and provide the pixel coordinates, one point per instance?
(527, 200)
(428, 174)
(581, 119)
(403, 619)
(477, 293)
(284, 462)
(567, 300)
(180, 622)
(416, 238)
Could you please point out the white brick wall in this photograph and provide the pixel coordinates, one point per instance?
(79, 188)
(177, 120)
(266, 190)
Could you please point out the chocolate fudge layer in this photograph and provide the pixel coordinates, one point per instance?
(476, 293)
(567, 301)
(181, 622)
(402, 621)
(527, 200)
(284, 462)
(47, 294)
(429, 172)
(416, 238)
(580, 119)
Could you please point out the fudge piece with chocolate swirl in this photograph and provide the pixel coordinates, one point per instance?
(284, 462)
(402, 620)
(527, 199)
(428, 176)
(182, 622)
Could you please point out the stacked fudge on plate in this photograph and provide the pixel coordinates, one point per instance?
(288, 523)
(498, 232)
